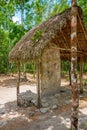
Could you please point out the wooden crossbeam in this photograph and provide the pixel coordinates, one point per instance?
(82, 27)
(18, 81)
(64, 49)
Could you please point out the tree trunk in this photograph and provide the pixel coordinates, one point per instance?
(34, 75)
(70, 73)
(22, 23)
(18, 81)
(22, 13)
(81, 75)
(75, 99)
(38, 86)
(74, 2)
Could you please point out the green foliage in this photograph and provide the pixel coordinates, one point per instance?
(10, 32)
(85, 81)
(36, 12)
(37, 36)
(60, 6)
(85, 67)
(65, 67)
(70, 129)
(16, 33)
(32, 12)
(4, 43)
(30, 67)
(83, 4)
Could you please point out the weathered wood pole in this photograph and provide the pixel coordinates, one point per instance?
(81, 75)
(38, 86)
(18, 81)
(34, 75)
(69, 73)
(74, 2)
(75, 99)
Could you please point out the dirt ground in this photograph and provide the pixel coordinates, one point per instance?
(13, 117)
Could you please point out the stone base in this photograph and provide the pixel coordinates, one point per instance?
(28, 99)
(49, 92)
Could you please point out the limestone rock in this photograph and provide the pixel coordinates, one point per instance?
(2, 111)
(54, 107)
(37, 110)
(31, 113)
(44, 110)
(27, 99)
(3, 123)
(45, 104)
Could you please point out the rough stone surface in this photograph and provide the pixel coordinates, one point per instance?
(44, 110)
(45, 104)
(2, 111)
(50, 71)
(54, 107)
(3, 123)
(37, 110)
(31, 113)
(27, 99)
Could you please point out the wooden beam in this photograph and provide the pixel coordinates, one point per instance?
(38, 86)
(18, 81)
(74, 2)
(69, 73)
(64, 49)
(34, 75)
(82, 27)
(66, 43)
(81, 75)
(74, 86)
(68, 54)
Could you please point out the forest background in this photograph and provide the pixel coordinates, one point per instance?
(19, 16)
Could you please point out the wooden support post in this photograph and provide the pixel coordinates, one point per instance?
(81, 75)
(18, 81)
(34, 75)
(38, 86)
(75, 99)
(69, 73)
(74, 2)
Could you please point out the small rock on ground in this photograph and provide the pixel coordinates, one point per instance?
(44, 110)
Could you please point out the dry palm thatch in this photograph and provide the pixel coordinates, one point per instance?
(56, 30)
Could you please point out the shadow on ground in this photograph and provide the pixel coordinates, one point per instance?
(19, 118)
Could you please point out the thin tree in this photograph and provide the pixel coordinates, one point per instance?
(22, 23)
(75, 99)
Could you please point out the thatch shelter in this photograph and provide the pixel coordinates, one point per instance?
(49, 42)
(56, 31)
(63, 36)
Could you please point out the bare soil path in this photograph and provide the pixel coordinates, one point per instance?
(16, 118)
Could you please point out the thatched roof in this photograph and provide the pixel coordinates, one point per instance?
(56, 30)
